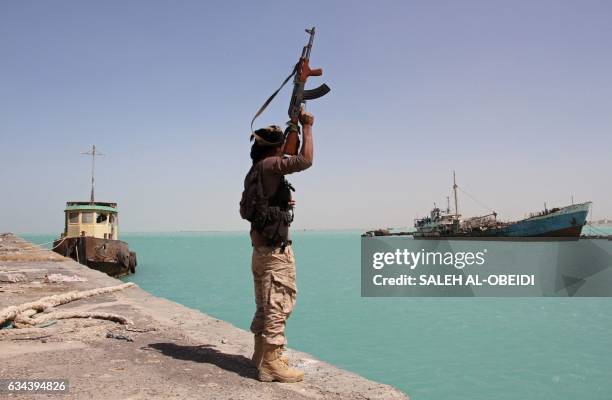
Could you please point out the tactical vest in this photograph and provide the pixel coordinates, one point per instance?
(270, 216)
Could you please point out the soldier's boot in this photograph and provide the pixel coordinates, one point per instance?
(257, 356)
(283, 357)
(258, 351)
(275, 369)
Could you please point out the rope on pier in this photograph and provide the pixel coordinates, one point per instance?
(24, 322)
(36, 247)
(23, 314)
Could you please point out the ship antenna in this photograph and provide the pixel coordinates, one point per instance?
(455, 193)
(93, 153)
(447, 204)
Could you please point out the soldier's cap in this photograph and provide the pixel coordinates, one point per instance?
(269, 136)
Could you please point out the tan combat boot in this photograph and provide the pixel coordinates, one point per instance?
(257, 356)
(275, 368)
(258, 351)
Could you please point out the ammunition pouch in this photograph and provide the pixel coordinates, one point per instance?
(274, 226)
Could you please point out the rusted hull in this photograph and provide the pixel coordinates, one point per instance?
(502, 238)
(571, 233)
(563, 224)
(112, 257)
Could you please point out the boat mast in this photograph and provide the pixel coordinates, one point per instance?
(455, 193)
(93, 153)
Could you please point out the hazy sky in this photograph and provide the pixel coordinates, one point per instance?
(516, 96)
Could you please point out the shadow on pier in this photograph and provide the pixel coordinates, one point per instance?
(207, 353)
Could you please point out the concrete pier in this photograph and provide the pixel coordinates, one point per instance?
(175, 352)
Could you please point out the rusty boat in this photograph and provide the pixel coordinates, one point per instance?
(559, 223)
(91, 235)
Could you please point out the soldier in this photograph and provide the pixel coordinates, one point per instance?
(267, 204)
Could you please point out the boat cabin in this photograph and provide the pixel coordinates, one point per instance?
(92, 219)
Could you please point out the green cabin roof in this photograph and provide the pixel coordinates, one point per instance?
(82, 206)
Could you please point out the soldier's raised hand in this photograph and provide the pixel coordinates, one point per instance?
(306, 118)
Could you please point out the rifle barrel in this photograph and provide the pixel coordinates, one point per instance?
(309, 46)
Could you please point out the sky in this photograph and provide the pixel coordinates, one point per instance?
(516, 97)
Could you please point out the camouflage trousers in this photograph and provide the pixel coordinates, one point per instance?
(275, 291)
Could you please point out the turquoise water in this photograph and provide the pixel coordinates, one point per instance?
(468, 348)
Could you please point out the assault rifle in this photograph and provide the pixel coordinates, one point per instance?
(300, 95)
(300, 74)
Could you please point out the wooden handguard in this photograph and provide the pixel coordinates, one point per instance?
(306, 71)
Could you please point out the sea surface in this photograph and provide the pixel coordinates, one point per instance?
(431, 348)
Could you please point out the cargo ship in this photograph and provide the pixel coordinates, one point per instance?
(91, 234)
(558, 222)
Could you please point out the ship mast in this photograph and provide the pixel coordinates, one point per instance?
(455, 194)
(93, 153)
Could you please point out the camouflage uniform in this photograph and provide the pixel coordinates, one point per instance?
(275, 291)
(267, 203)
(274, 266)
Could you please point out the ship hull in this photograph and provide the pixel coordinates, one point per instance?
(565, 223)
(112, 257)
